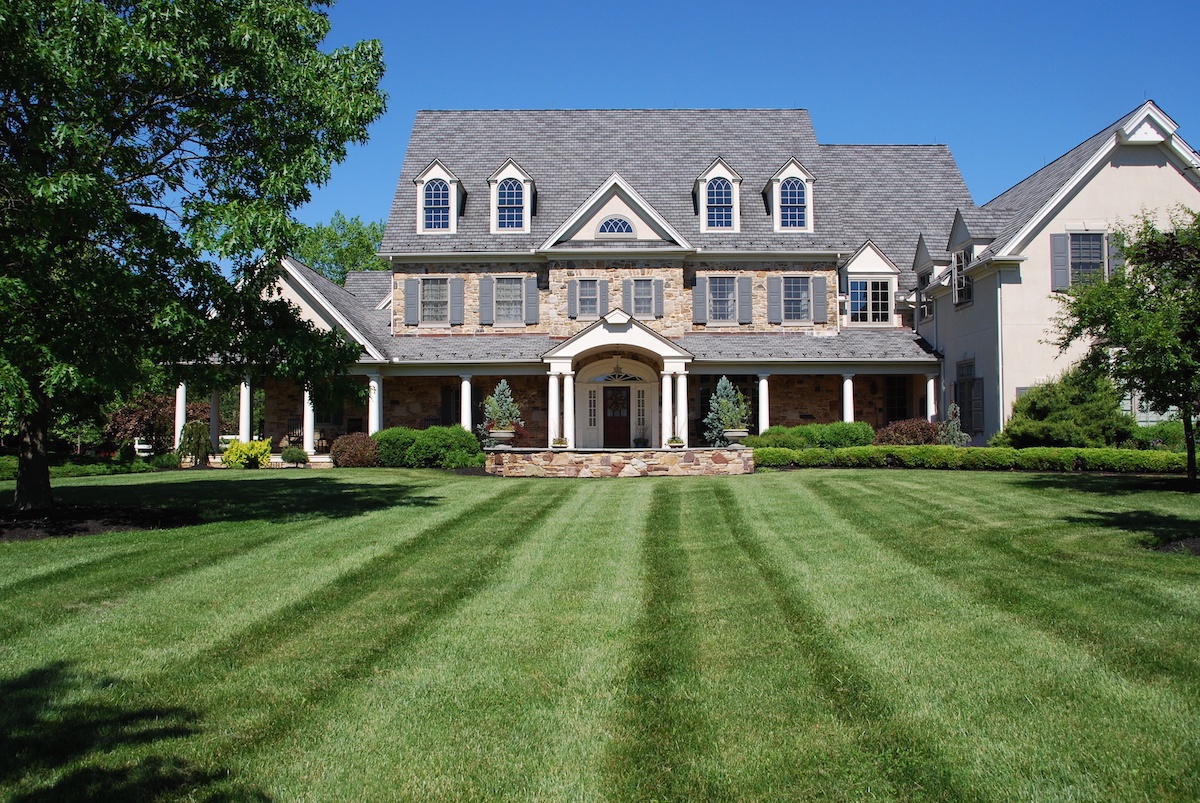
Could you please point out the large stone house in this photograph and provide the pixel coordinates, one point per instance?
(612, 265)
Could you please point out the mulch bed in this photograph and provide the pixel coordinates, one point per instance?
(69, 521)
(1191, 545)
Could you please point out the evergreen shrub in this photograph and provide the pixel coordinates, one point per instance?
(294, 455)
(394, 443)
(432, 446)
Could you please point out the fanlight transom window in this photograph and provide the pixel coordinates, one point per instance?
(792, 204)
(437, 204)
(615, 227)
(510, 204)
(720, 204)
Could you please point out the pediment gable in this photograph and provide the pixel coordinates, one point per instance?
(617, 329)
(960, 234)
(924, 258)
(868, 259)
(616, 198)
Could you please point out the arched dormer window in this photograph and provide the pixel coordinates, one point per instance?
(792, 204)
(510, 204)
(719, 203)
(437, 205)
(616, 228)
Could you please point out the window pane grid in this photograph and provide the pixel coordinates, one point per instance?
(591, 409)
(721, 300)
(616, 225)
(791, 204)
(437, 205)
(509, 298)
(435, 301)
(720, 204)
(858, 301)
(643, 297)
(589, 297)
(1087, 256)
(797, 299)
(880, 302)
(510, 204)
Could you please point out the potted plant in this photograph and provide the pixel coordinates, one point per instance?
(675, 442)
(728, 415)
(502, 413)
(560, 442)
(641, 441)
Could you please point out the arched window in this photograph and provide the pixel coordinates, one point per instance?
(615, 227)
(791, 204)
(437, 204)
(719, 199)
(510, 204)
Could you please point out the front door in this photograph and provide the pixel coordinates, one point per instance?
(616, 418)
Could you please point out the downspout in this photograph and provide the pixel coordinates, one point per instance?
(1000, 346)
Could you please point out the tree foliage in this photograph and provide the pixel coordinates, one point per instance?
(149, 149)
(727, 409)
(1142, 323)
(1080, 408)
(342, 245)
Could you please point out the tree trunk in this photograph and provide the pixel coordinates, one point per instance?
(33, 466)
(1189, 439)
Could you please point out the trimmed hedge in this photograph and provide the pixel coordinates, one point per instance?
(433, 446)
(837, 435)
(394, 443)
(1040, 458)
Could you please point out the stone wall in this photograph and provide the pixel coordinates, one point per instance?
(649, 463)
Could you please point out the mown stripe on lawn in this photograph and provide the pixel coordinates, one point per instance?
(344, 629)
(917, 770)
(656, 756)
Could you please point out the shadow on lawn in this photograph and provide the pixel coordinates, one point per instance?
(268, 498)
(1157, 529)
(1105, 484)
(53, 748)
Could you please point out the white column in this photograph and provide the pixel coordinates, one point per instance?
(310, 425)
(374, 403)
(464, 402)
(764, 403)
(553, 423)
(244, 413)
(668, 417)
(931, 396)
(180, 412)
(847, 397)
(681, 407)
(569, 408)
(214, 420)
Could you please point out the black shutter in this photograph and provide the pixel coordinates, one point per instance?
(412, 302)
(820, 300)
(1060, 262)
(976, 405)
(487, 304)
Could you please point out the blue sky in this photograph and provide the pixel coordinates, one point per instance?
(1008, 86)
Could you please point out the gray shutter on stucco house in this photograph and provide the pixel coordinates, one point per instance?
(1116, 258)
(820, 300)
(1060, 262)
(457, 301)
(774, 299)
(700, 300)
(487, 303)
(531, 300)
(412, 302)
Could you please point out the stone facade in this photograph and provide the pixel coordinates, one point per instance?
(649, 463)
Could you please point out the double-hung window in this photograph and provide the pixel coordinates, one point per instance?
(435, 300)
(797, 299)
(643, 298)
(1087, 256)
(722, 299)
(510, 296)
(792, 206)
(437, 205)
(589, 298)
(510, 204)
(719, 202)
(870, 300)
(925, 311)
(964, 285)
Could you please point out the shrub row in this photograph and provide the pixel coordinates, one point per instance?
(434, 447)
(837, 435)
(1043, 458)
(79, 466)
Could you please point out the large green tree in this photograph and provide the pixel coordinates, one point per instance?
(151, 155)
(342, 245)
(1142, 323)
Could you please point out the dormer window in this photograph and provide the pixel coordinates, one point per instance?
(512, 199)
(716, 196)
(790, 197)
(437, 205)
(616, 228)
(964, 285)
(439, 200)
(792, 206)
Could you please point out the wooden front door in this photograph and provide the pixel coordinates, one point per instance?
(616, 418)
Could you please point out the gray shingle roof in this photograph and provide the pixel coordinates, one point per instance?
(846, 345)
(469, 348)
(370, 286)
(886, 193)
(373, 325)
(1021, 202)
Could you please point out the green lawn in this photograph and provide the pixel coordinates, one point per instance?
(815, 635)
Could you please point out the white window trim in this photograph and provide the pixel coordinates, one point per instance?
(719, 170)
(633, 235)
(786, 321)
(421, 322)
(1105, 268)
(959, 262)
(496, 322)
(891, 300)
(580, 315)
(709, 300)
(924, 302)
(792, 169)
(511, 170)
(633, 299)
(436, 170)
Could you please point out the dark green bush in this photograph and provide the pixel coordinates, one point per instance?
(1081, 408)
(394, 443)
(928, 456)
(859, 457)
(459, 458)
(294, 455)
(997, 458)
(909, 432)
(778, 438)
(355, 450)
(1132, 461)
(431, 446)
(166, 460)
(826, 436)
(1165, 436)
(1046, 458)
(775, 456)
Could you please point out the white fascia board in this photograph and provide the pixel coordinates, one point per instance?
(613, 253)
(460, 256)
(510, 162)
(436, 164)
(588, 206)
(862, 249)
(994, 264)
(330, 309)
(735, 256)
